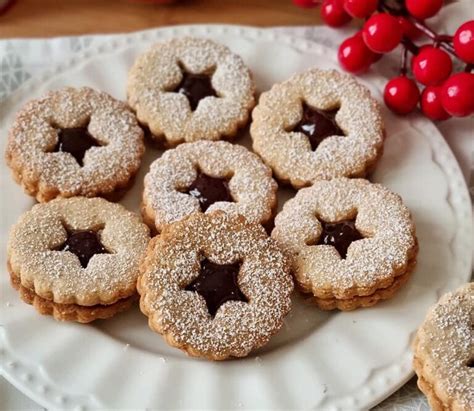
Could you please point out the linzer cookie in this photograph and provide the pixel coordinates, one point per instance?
(205, 176)
(190, 89)
(444, 352)
(77, 259)
(352, 242)
(75, 142)
(215, 285)
(318, 125)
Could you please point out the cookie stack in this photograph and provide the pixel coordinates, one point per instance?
(211, 281)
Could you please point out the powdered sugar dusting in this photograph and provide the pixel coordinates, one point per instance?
(58, 275)
(46, 174)
(182, 317)
(445, 346)
(381, 217)
(290, 154)
(157, 72)
(251, 185)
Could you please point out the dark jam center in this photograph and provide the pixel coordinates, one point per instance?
(195, 87)
(209, 190)
(340, 235)
(75, 141)
(318, 125)
(84, 244)
(217, 284)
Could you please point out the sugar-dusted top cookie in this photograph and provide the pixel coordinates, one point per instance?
(205, 176)
(318, 125)
(83, 251)
(352, 242)
(189, 89)
(444, 352)
(74, 142)
(215, 285)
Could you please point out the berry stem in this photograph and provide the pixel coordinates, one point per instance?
(403, 65)
(383, 6)
(443, 40)
(410, 46)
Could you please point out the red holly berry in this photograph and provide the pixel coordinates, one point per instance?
(423, 9)
(431, 65)
(457, 94)
(408, 28)
(382, 33)
(306, 4)
(431, 103)
(401, 95)
(463, 41)
(354, 56)
(360, 8)
(333, 13)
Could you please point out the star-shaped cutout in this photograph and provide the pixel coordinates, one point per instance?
(75, 141)
(217, 284)
(340, 235)
(318, 125)
(209, 190)
(84, 244)
(195, 86)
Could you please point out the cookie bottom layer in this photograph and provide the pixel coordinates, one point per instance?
(366, 300)
(71, 312)
(426, 387)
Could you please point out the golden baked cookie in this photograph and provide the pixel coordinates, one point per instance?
(188, 89)
(205, 176)
(78, 258)
(74, 142)
(352, 242)
(444, 352)
(215, 285)
(318, 125)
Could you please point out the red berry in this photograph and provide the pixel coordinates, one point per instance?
(408, 28)
(382, 33)
(423, 9)
(457, 95)
(431, 103)
(333, 13)
(360, 8)
(431, 65)
(354, 56)
(306, 4)
(463, 41)
(401, 95)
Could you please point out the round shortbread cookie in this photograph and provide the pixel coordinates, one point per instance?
(206, 176)
(75, 142)
(215, 285)
(78, 251)
(444, 352)
(348, 238)
(188, 89)
(299, 134)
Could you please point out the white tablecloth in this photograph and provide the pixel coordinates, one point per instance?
(21, 59)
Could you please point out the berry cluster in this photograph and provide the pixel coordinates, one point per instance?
(389, 23)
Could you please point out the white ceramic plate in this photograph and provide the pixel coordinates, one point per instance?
(318, 360)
